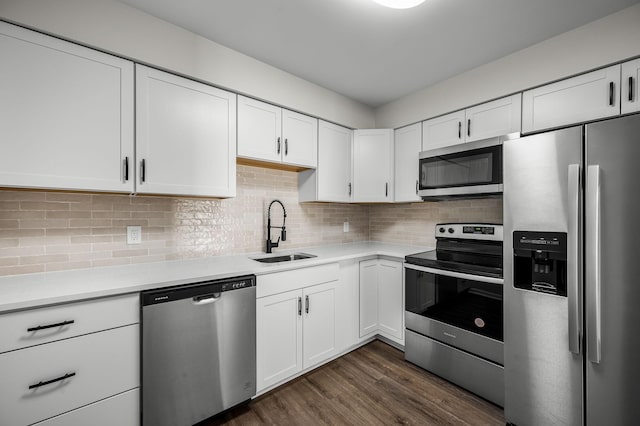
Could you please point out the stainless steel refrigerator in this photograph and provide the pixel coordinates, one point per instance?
(572, 276)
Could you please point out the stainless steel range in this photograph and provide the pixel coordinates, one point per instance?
(453, 308)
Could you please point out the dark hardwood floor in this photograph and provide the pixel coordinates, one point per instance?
(372, 385)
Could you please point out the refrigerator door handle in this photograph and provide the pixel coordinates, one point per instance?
(594, 330)
(573, 260)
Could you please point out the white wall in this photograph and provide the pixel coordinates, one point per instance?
(114, 27)
(601, 42)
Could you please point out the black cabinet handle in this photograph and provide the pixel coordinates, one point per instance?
(306, 304)
(126, 169)
(386, 189)
(459, 129)
(48, 382)
(286, 146)
(630, 89)
(143, 170)
(299, 306)
(278, 146)
(417, 185)
(349, 189)
(611, 87)
(469, 127)
(44, 327)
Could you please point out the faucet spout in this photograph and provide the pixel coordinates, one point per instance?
(283, 232)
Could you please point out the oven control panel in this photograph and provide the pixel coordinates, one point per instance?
(474, 231)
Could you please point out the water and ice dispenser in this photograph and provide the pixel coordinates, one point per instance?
(540, 261)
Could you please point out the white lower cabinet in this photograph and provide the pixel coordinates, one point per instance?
(122, 410)
(382, 299)
(71, 364)
(43, 381)
(296, 328)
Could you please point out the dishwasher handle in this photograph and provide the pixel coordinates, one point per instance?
(205, 299)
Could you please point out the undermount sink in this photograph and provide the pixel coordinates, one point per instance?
(284, 258)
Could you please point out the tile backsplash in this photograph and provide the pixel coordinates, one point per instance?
(49, 231)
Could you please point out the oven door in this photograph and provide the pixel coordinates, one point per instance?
(460, 310)
(473, 168)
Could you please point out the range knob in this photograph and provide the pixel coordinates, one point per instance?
(441, 230)
(450, 230)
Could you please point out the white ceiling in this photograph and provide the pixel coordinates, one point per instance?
(371, 53)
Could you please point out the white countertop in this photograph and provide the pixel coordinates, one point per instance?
(48, 288)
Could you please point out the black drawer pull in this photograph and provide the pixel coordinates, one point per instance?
(469, 127)
(48, 382)
(611, 89)
(630, 89)
(44, 327)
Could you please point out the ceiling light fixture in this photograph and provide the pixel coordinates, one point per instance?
(400, 4)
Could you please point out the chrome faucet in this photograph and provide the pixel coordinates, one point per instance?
(283, 232)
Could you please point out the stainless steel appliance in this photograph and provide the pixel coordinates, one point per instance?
(198, 350)
(453, 308)
(464, 170)
(571, 209)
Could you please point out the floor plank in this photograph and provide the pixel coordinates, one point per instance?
(372, 385)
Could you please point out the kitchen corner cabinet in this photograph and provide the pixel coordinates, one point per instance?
(630, 92)
(381, 299)
(276, 135)
(373, 165)
(66, 115)
(331, 180)
(587, 97)
(296, 322)
(407, 146)
(490, 119)
(186, 136)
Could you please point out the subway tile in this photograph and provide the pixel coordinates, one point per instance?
(62, 266)
(43, 223)
(19, 233)
(130, 252)
(45, 258)
(68, 214)
(43, 205)
(21, 214)
(9, 195)
(43, 241)
(9, 261)
(21, 251)
(114, 261)
(91, 239)
(9, 224)
(68, 249)
(9, 242)
(54, 232)
(9, 205)
(19, 270)
(67, 196)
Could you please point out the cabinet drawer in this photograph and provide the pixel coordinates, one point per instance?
(121, 410)
(280, 282)
(88, 317)
(104, 364)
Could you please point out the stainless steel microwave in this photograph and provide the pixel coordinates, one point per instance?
(465, 170)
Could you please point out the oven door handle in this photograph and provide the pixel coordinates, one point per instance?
(453, 274)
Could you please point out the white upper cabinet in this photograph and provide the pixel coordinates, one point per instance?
(495, 118)
(373, 165)
(491, 119)
(270, 133)
(331, 180)
(300, 134)
(186, 136)
(66, 115)
(443, 131)
(579, 99)
(630, 92)
(408, 144)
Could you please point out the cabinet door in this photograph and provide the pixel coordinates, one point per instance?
(319, 324)
(575, 100)
(300, 134)
(443, 131)
(368, 297)
(347, 305)
(630, 92)
(495, 118)
(334, 162)
(279, 337)
(373, 165)
(407, 145)
(186, 134)
(259, 130)
(66, 115)
(390, 299)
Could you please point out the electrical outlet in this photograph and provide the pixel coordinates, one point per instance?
(345, 227)
(134, 234)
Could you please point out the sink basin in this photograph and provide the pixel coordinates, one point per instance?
(284, 258)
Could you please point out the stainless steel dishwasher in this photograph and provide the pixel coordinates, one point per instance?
(198, 350)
